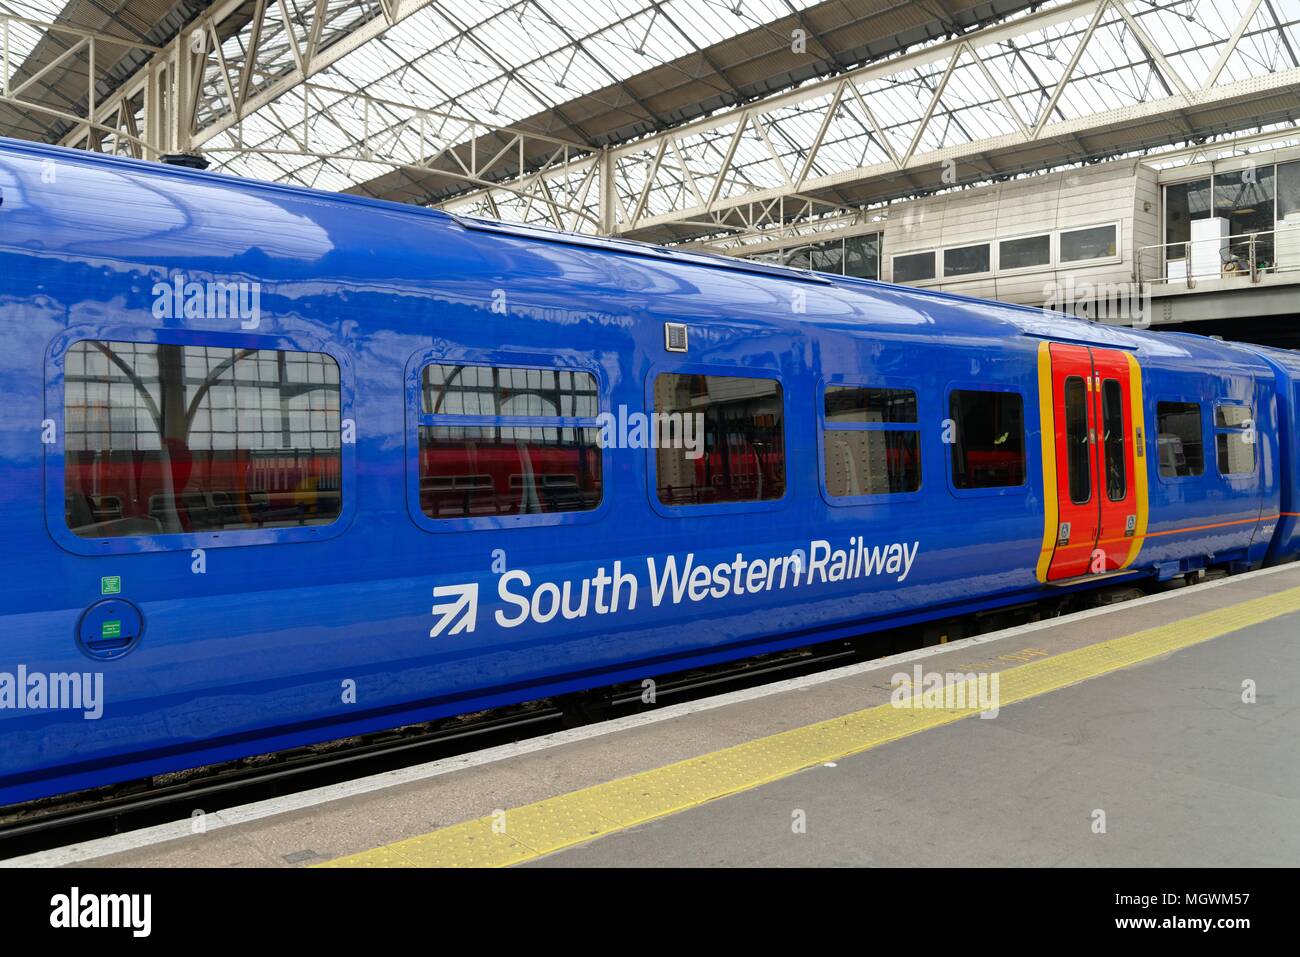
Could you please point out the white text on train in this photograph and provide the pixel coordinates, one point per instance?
(676, 580)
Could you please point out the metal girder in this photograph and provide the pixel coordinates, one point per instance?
(253, 61)
(84, 53)
(1116, 75)
(240, 55)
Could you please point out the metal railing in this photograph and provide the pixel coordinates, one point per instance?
(1246, 256)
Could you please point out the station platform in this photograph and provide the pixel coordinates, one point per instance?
(1156, 732)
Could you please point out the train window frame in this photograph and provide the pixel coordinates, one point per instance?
(54, 457)
(995, 491)
(717, 508)
(1155, 439)
(1235, 430)
(417, 417)
(923, 415)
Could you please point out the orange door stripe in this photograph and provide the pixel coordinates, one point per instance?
(1202, 528)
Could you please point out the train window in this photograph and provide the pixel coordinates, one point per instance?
(733, 447)
(1112, 423)
(1231, 416)
(873, 459)
(492, 390)
(845, 403)
(1179, 439)
(1235, 452)
(1077, 448)
(475, 462)
(470, 471)
(166, 439)
(988, 448)
(871, 462)
(1234, 440)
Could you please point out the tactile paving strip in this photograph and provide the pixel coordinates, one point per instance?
(520, 834)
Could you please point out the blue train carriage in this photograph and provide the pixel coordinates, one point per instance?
(1284, 540)
(281, 467)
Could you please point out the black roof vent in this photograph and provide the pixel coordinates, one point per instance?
(188, 160)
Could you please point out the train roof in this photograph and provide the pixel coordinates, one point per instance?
(940, 312)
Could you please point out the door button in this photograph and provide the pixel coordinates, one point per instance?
(109, 629)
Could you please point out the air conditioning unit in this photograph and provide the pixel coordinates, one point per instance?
(1208, 246)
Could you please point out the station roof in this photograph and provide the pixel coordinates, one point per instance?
(1041, 82)
(33, 52)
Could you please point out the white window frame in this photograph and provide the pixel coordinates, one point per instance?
(935, 252)
(1016, 270)
(1116, 224)
(965, 277)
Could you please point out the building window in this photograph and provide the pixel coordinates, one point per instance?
(914, 267)
(724, 441)
(1184, 204)
(1245, 199)
(857, 256)
(472, 463)
(1179, 439)
(1094, 242)
(871, 444)
(988, 448)
(1234, 440)
(862, 256)
(169, 439)
(1288, 194)
(966, 260)
(1025, 252)
(828, 257)
(800, 258)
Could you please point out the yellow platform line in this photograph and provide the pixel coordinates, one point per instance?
(527, 832)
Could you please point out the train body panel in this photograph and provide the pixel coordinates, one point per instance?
(1284, 540)
(398, 475)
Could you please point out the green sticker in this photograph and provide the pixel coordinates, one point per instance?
(110, 585)
(111, 629)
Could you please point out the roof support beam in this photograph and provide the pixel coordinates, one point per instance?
(1056, 133)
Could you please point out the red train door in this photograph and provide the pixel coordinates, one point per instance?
(1092, 413)
(1117, 492)
(1078, 516)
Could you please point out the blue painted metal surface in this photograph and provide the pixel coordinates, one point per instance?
(259, 651)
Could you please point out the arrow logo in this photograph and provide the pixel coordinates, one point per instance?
(464, 605)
